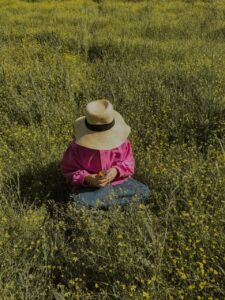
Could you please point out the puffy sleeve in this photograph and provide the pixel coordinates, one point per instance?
(126, 164)
(71, 168)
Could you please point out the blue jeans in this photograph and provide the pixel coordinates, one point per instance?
(104, 197)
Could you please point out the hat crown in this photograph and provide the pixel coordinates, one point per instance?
(99, 112)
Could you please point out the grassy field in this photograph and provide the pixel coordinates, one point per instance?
(162, 65)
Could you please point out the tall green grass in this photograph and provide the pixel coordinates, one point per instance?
(162, 66)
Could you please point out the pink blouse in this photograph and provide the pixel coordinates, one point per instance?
(79, 162)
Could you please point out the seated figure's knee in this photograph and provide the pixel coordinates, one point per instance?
(145, 192)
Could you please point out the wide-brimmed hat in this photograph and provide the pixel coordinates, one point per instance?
(102, 127)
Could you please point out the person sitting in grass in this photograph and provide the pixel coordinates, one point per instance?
(99, 161)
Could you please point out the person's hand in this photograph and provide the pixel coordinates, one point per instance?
(112, 173)
(98, 181)
(92, 180)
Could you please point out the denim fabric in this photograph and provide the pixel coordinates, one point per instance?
(104, 197)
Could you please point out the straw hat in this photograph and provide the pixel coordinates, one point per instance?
(102, 127)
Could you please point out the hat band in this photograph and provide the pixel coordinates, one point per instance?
(99, 127)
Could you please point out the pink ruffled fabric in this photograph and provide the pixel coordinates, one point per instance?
(79, 161)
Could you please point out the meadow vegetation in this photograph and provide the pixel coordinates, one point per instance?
(162, 65)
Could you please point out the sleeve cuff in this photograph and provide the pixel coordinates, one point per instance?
(83, 175)
(119, 173)
(79, 177)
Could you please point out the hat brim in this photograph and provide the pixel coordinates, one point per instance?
(102, 140)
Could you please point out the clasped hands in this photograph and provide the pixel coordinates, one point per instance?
(97, 181)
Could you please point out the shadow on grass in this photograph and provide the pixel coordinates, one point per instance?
(39, 186)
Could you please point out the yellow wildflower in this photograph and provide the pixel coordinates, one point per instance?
(146, 295)
(133, 287)
(191, 287)
(202, 284)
